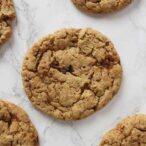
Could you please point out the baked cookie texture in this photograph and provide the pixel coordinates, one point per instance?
(72, 73)
(16, 128)
(101, 6)
(7, 14)
(130, 132)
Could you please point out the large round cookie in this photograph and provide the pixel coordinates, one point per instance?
(7, 14)
(101, 6)
(72, 73)
(16, 128)
(130, 132)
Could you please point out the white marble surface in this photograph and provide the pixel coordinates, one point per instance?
(127, 29)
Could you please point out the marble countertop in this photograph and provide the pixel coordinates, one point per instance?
(126, 28)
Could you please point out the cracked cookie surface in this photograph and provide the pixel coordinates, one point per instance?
(7, 14)
(15, 127)
(101, 6)
(72, 73)
(130, 132)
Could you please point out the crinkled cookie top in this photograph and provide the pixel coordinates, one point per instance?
(7, 14)
(130, 132)
(15, 127)
(72, 73)
(101, 6)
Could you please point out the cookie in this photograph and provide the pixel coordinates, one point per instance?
(101, 6)
(72, 73)
(130, 132)
(5, 31)
(16, 128)
(7, 14)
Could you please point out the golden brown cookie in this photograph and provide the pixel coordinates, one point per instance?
(5, 31)
(130, 132)
(101, 6)
(7, 14)
(16, 128)
(72, 73)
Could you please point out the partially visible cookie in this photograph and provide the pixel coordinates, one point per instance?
(72, 73)
(101, 6)
(7, 14)
(5, 31)
(16, 128)
(130, 132)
